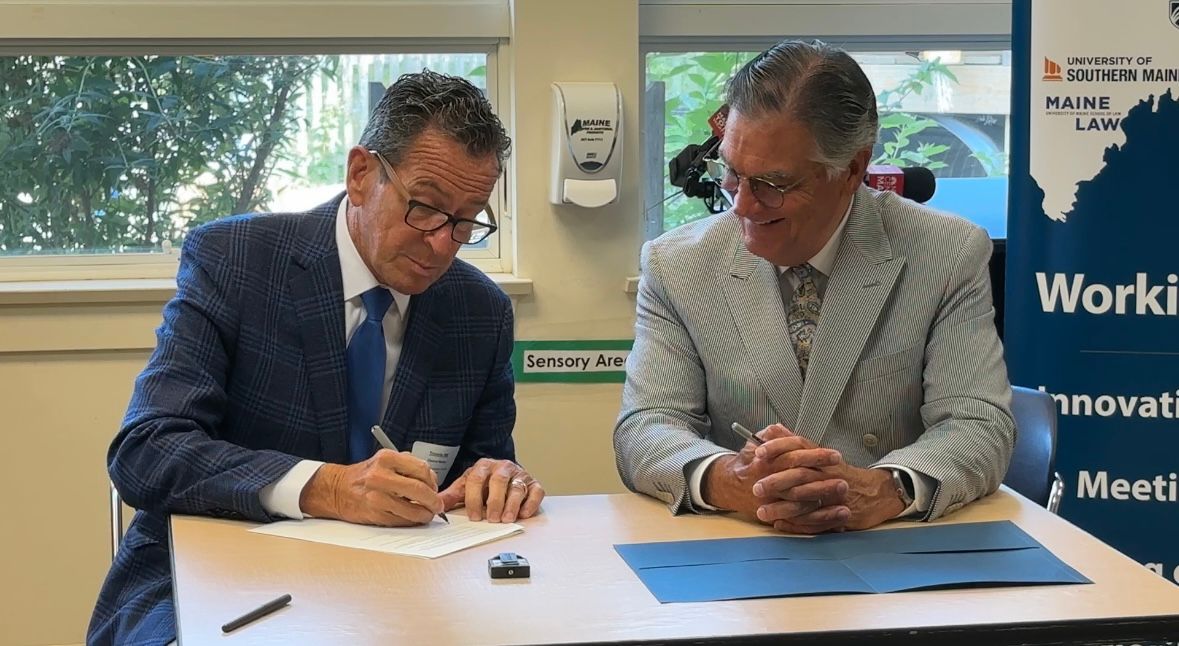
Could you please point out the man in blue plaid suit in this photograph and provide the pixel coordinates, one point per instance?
(252, 405)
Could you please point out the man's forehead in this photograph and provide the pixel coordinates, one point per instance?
(427, 182)
(451, 167)
(445, 193)
(746, 164)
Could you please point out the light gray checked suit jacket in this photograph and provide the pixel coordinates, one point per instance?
(906, 367)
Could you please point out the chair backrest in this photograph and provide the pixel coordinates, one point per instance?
(1033, 463)
(116, 520)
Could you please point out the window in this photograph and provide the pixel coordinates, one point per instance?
(947, 110)
(122, 155)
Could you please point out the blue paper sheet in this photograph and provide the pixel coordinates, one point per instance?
(892, 560)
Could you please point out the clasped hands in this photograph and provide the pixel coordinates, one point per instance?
(397, 489)
(798, 487)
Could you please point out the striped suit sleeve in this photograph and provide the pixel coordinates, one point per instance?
(969, 433)
(663, 420)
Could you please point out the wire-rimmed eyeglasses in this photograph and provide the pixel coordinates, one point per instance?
(769, 194)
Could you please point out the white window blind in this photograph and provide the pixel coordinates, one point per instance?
(206, 19)
(678, 19)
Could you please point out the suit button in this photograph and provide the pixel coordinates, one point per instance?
(870, 440)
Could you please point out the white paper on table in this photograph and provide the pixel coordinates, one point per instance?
(427, 541)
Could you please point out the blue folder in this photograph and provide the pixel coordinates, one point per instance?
(890, 560)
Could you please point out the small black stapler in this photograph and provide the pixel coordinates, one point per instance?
(508, 565)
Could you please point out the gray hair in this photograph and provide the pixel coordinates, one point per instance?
(427, 100)
(819, 85)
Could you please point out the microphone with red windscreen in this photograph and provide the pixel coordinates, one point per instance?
(717, 121)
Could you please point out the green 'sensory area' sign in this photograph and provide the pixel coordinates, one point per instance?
(584, 362)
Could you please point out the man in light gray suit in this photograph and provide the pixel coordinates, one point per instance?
(853, 330)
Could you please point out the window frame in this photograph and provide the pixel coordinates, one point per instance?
(164, 264)
(676, 26)
(654, 188)
(835, 21)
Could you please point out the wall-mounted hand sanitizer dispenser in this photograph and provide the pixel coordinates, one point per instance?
(587, 144)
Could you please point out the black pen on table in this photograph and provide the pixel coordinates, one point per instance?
(384, 441)
(257, 613)
(745, 433)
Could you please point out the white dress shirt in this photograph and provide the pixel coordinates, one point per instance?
(281, 498)
(823, 262)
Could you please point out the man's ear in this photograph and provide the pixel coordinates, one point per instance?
(857, 168)
(362, 173)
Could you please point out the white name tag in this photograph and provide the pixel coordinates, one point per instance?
(439, 457)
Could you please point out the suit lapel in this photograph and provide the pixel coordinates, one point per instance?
(423, 334)
(861, 281)
(317, 294)
(755, 302)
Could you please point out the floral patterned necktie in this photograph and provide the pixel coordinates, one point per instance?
(802, 314)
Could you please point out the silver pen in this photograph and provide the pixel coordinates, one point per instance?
(383, 440)
(745, 433)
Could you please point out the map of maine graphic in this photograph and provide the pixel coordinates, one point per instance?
(1124, 221)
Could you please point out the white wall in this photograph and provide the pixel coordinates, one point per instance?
(65, 377)
(577, 259)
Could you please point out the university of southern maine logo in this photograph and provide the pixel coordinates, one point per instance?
(1173, 12)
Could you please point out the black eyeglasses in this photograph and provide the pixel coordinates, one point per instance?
(770, 195)
(426, 218)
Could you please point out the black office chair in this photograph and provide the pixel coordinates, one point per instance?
(1033, 463)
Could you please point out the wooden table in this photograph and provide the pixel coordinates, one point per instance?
(582, 592)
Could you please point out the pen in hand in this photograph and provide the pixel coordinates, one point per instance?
(384, 441)
(257, 613)
(745, 433)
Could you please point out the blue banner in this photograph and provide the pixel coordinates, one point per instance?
(1092, 301)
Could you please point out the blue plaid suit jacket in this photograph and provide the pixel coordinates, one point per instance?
(249, 376)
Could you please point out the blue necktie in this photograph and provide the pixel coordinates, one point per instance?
(366, 374)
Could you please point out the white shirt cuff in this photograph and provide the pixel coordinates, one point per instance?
(923, 488)
(281, 497)
(696, 480)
